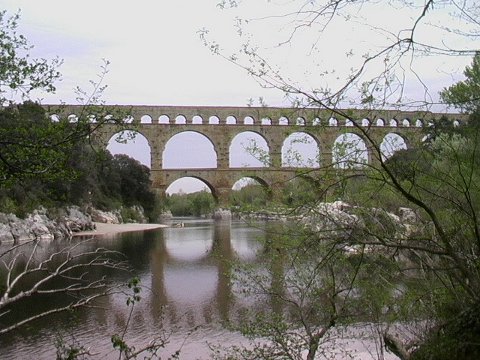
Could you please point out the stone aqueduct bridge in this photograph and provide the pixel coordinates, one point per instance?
(221, 124)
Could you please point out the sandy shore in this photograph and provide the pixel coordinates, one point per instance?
(108, 229)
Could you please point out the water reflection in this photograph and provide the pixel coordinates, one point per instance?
(186, 273)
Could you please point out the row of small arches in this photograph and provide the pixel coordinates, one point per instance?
(249, 120)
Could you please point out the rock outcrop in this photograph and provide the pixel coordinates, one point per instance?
(40, 225)
(106, 217)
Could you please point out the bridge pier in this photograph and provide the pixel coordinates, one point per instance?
(223, 196)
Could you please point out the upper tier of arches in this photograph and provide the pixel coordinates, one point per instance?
(173, 115)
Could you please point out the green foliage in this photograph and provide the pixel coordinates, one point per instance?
(134, 285)
(51, 163)
(87, 177)
(19, 74)
(69, 351)
(464, 95)
(126, 351)
(307, 292)
(134, 183)
(456, 339)
(31, 146)
(299, 192)
(250, 196)
(194, 204)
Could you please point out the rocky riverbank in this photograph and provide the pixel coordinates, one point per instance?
(44, 225)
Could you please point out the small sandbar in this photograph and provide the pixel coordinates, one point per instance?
(110, 229)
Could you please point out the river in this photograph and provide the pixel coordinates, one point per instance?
(187, 293)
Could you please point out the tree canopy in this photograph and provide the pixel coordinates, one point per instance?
(20, 74)
(465, 95)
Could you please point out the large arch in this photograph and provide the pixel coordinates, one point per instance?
(301, 149)
(349, 152)
(131, 143)
(249, 149)
(189, 150)
(188, 184)
(391, 143)
(251, 190)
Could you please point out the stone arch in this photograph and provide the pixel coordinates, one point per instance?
(146, 119)
(283, 120)
(248, 120)
(249, 149)
(393, 123)
(317, 121)
(132, 143)
(366, 122)
(72, 118)
(243, 181)
(349, 151)
(266, 121)
(214, 120)
(109, 118)
(185, 184)
(180, 119)
(406, 123)
(257, 178)
(391, 143)
(301, 189)
(231, 120)
(301, 149)
(380, 122)
(187, 188)
(332, 122)
(163, 119)
(197, 119)
(189, 150)
(300, 121)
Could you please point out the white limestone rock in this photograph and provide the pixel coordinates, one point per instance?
(104, 217)
(222, 214)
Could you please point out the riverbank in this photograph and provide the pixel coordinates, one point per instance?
(102, 229)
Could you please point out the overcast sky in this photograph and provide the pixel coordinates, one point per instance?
(153, 46)
(157, 58)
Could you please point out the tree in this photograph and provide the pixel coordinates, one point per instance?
(464, 94)
(433, 262)
(27, 273)
(19, 74)
(135, 183)
(31, 143)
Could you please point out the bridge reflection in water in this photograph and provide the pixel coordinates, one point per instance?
(191, 270)
(186, 278)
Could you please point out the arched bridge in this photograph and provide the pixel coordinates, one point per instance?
(220, 125)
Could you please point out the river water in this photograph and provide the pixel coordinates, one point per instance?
(187, 293)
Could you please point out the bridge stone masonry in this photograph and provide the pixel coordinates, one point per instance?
(220, 125)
